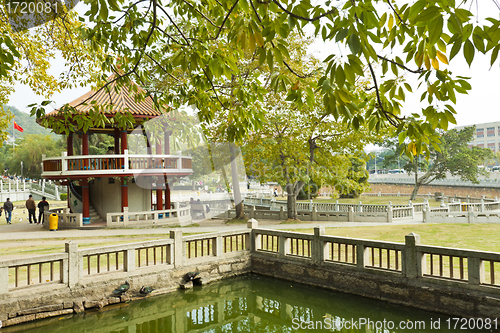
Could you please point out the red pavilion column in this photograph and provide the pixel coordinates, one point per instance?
(159, 195)
(86, 201)
(167, 194)
(124, 185)
(124, 189)
(116, 135)
(166, 147)
(85, 149)
(69, 144)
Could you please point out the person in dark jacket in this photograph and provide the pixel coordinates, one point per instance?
(31, 206)
(8, 207)
(42, 207)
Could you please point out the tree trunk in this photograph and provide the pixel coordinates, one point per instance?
(291, 205)
(238, 202)
(291, 202)
(417, 186)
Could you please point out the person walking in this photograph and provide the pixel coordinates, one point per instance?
(31, 206)
(8, 207)
(42, 207)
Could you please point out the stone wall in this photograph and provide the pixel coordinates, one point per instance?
(391, 288)
(355, 266)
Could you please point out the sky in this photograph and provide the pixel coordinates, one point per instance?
(481, 105)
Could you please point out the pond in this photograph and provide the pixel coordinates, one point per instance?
(253, 303)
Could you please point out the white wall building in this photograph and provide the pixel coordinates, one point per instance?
(487, 135)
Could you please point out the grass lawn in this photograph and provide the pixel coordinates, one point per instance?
(458, 235)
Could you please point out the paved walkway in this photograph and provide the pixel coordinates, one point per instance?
(24, 230)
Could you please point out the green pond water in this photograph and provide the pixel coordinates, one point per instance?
(254, 303)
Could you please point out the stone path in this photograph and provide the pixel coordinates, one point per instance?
(25, 231)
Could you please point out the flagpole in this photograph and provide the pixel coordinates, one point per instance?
(13, 138)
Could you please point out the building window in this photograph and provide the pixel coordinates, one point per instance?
(490, 131)
(491, 144)
(480, 144)
(480, 132)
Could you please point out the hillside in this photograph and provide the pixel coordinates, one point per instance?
(28, 123)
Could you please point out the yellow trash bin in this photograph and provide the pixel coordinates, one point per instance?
(53, 222)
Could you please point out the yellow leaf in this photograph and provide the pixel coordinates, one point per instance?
(251, 43)
(259, 39)
(419, 58)
(427, 62)
(391, 21)
(296, 86)
(442, 57)
(435, 63)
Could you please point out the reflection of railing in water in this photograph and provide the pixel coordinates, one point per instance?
(202, 317)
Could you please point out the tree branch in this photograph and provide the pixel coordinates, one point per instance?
(418, 71)
(308, 19)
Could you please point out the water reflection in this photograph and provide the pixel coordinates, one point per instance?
(246, 304)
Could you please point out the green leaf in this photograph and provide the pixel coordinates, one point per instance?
(340, 76)
(456, 48)
(428, 14)
(354, 44)
(341, 35)
(494, 54)
(435, 30)
(469, 51)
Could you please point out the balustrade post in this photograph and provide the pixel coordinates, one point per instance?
(64, 161)
(314, 214)
(360, 207)
(10, 188)
(125, 215)
(252, 212)
(425, 214)
(310, 205)
(318, 246)
(178, 258)
(362, 256)
(218, 246)
(4, 280)
(350, 215)
(129, 260)
(336, 205)
(1, 185)
(282, 213)
(252, 237)
(56, 193)
(482, 204)
(179, 160)
(73, 273)
(125, 159)
(470, 216)
(24, 186)
(476, 271)
(389, 213)
(283, 245)
(412, 264)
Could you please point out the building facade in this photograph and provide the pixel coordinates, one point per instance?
(486, 135)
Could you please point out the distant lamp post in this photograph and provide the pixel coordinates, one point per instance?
(21, 169)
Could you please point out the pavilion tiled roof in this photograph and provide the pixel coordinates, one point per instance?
(120, 101)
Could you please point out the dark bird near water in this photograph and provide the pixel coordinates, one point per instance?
(190, 276)
(146, 290)
(122, 289)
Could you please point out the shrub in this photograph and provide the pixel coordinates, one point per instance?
(63, 196)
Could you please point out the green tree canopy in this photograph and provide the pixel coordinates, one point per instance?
(453, 157)
(198, 46)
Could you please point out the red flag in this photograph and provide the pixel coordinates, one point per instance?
(17, 127)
